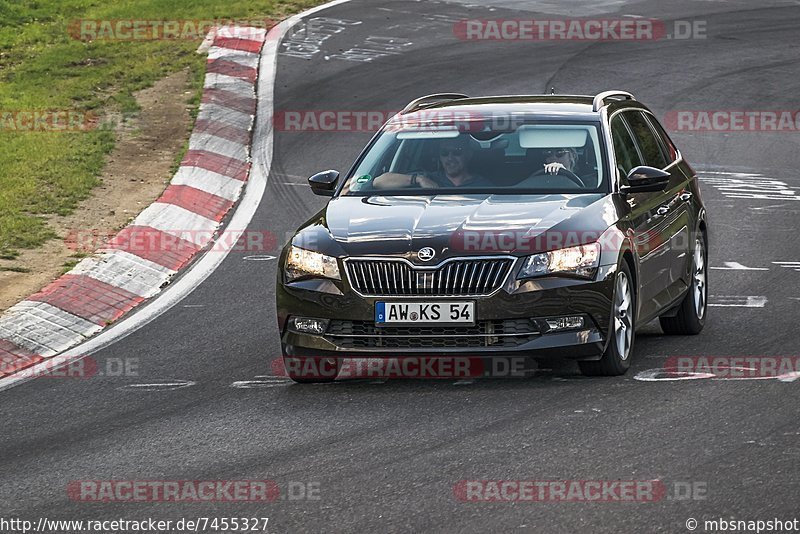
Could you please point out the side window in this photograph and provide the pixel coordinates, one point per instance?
(666, 142)
(624, 147)
(408, 156)
(646, 139)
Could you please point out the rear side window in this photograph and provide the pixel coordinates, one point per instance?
(624, 147)
(666, 142)
(646, 139)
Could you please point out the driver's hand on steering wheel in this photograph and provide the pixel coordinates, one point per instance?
(553, 168)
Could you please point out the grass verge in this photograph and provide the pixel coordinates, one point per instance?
(45, 67)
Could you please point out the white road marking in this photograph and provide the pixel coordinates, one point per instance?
(208, 263)
(561, 8)
(463, 382)
(736, 301)
(374, 47)
(262, 382)
(262, 257)
(158, 386)
(788, 264)
(668, 374)
(748, 185)
(439, 18)
(303, 179)
(305, 42)
(736, 266)
(663, 374)
(788, 377)
(771, 207)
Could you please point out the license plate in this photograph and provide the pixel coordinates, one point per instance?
(462, 312)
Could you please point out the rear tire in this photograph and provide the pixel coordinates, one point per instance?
(691, 316)
(616, 359)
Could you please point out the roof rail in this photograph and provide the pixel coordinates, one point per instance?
(416, 104)
(599, 100)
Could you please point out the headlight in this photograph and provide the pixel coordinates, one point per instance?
(302, 263)
(580, 261)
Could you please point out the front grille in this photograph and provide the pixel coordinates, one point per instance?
(463, 277)
(494, 333)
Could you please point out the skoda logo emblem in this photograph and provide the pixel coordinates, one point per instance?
(426, 254)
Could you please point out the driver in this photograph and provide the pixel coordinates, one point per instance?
(556, 159)
(454, 159)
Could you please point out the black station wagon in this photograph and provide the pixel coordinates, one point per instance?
(545, 226)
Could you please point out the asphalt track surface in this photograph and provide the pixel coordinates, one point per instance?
(386, 455)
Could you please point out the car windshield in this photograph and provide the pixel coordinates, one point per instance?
(526, 157)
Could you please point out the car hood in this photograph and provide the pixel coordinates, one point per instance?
(452, 225)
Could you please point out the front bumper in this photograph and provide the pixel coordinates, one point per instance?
(500, 328)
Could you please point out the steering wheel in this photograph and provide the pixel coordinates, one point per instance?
(565, 173)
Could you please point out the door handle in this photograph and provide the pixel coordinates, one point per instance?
(662, 210)
(685, 196)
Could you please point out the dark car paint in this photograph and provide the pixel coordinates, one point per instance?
(641, 224)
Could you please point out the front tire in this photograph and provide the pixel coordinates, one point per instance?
(691, 316)
(616, 359)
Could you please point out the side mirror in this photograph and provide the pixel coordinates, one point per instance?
(324, 183)
(645, 179)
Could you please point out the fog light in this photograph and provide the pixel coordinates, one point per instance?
(565, 323)
(309, 326)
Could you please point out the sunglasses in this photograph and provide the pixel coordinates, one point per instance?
(444, 152)
(557, 153)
